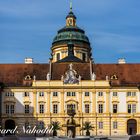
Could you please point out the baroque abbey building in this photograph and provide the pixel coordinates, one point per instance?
(107, 95)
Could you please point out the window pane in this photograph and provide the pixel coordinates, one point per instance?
(41, 108)
(86, 108)
(133, 108)
(26, 108)
(86, 93)
(100, 93)
(55, 108)
(114, 108)
(55, 93)
(100, 125)
(115, 125)
(129, 108)
(100, 108)
(115, 94)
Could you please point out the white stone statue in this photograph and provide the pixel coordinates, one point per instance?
(34, 77)
(70, 66)
(79, 78)
(93, 77)
(107, 78)
(48, 76)
(62, 78)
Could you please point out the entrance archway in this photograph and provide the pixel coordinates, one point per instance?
(9, 125)
(131, 127)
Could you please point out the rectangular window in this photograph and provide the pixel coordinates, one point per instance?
(115, 94)
(41, 94)
(68, 93)
(12, 109)
(86, 93)
(128, 93)
(100, 93)
(7, 109)
(55, 108)
(8, 94)
(115, 125)
(115, 108)
(41, 108)
(100, 125)
(27, 108)
(86, 108)
(55, 93)
(133, 93)
(133, 108)
(71, 107)
(129, 108)
(100, 108)
(26, 94)
(71, 94)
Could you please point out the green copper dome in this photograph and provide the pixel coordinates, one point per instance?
(70, 33)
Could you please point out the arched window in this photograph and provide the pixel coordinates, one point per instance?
(58, 56)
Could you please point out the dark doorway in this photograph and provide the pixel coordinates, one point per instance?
(9, 125)
(132, 127)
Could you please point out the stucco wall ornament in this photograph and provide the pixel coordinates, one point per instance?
(71, 76)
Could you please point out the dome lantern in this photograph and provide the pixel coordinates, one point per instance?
(71, 18)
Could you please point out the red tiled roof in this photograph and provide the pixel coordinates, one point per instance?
(14, 74)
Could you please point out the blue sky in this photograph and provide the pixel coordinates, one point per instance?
(27, 28)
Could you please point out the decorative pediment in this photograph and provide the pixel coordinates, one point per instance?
(71, 76)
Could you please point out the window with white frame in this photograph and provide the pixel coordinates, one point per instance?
(131, 108)
(55, 94)
(115, 94)
(100, 93)
(86, 93)
(26, 94)
(55, 108)
(9, 109)
(100, 125)
(41, 94)
(115, 125)
(41, 108)
(71, 94)
(131, 94)
(86, 108)
(115, 108)
(27, 109)
(9, 94)
(100, 108)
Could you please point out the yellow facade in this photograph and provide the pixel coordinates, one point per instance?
(93, 87)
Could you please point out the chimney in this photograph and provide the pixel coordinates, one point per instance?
(28, 60)
(121, 61)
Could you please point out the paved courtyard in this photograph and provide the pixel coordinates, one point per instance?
(33, 138)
